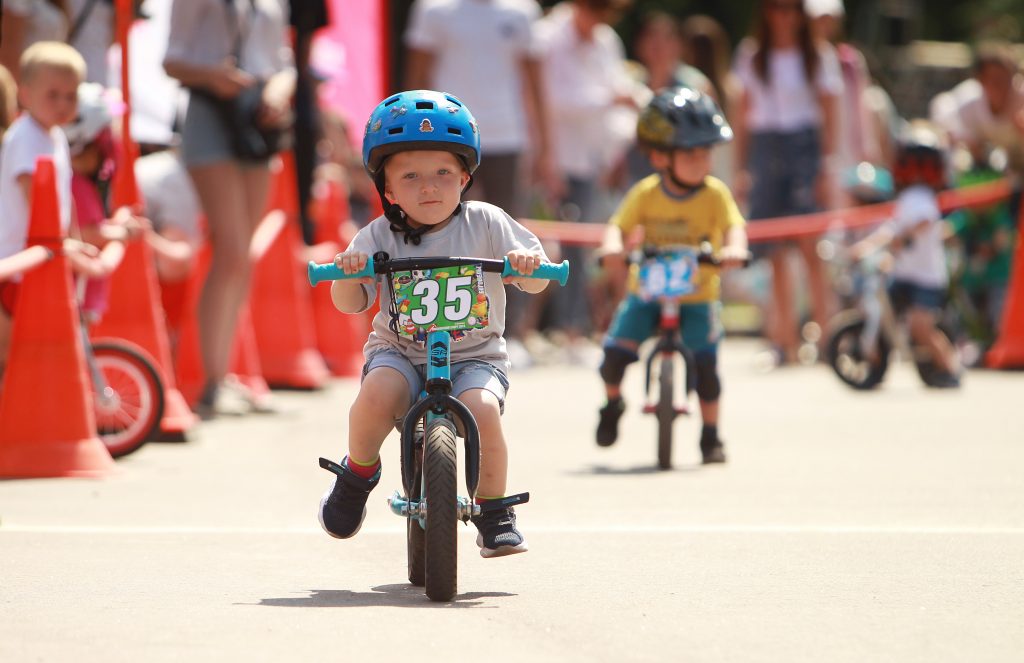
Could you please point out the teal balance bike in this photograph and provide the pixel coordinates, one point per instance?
(436, 299)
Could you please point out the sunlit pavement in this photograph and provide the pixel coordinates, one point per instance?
(882, 526)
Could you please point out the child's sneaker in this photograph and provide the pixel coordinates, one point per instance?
(343, 507)
(608, 426)
(712, 450)
(498, 534)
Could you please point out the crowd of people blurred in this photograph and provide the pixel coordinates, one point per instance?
(556, 93)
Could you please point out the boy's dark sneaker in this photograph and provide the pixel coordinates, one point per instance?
(498, 534)
(608, 426)
(712, 450)
(343, 507)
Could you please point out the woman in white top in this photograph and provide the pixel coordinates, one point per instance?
(219, 49)
(784, 123)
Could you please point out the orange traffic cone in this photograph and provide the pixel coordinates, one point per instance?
(282, 311)
(1008, 351)
(135, 314)
(46, 371)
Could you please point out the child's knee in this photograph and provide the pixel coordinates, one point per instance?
(383, 390)
(616, 359)
(709, 387)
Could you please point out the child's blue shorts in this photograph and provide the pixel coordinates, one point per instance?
(637, 320)
(465, 375)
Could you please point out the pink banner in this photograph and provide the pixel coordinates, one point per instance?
(349, 53)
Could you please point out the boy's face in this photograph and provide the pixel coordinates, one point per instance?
(688, 166)
(50, 97)
(427, 184)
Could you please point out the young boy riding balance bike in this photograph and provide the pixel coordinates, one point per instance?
(679, 205)
(421, 148)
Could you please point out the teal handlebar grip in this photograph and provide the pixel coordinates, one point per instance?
(330, 272)
(555, 272)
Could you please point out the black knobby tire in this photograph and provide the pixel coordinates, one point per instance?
(440, 476)
(130, 411)
(666, 412)
(849, 360)
(415, 536)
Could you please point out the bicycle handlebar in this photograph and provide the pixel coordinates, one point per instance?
(383, 265)
(705, 255)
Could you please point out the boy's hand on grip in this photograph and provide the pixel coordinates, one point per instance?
(522, 261)
(353, 262)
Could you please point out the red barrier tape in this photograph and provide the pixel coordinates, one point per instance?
(789, 227)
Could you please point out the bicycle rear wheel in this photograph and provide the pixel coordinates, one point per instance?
(440, 476)
(130, 404)
(666, 412)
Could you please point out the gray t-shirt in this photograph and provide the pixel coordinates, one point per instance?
(479, 230)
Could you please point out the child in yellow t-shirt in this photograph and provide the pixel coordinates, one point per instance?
(679, 205)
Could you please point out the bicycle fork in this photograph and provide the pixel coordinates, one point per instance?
(438, 403)
(668, 345)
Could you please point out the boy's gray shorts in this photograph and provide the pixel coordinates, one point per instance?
(465, 375)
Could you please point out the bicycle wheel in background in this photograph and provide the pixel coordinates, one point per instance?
(440, 476)
(666, 412)
(850, 361)
(130, 404)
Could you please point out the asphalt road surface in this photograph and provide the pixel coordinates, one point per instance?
(883, 526)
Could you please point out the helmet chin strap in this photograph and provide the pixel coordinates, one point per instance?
(689, 189)
(399, 220)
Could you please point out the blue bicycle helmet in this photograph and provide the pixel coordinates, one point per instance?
(420, 120)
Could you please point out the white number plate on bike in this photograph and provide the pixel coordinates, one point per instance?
(671, 274)
(440, 299)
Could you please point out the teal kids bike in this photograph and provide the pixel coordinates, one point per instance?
(433, 300)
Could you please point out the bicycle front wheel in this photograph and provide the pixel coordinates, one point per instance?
(440, 477)
(130, 402)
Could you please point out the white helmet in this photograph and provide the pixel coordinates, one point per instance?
(93, 117)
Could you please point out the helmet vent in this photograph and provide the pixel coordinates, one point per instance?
(395, 130)
(454, 101)
(392, 100)
(424, 105)
(453, 130)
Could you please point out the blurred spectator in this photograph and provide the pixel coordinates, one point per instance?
(222, 50)
(50, 74)
(91, 32)
(985, 240)
(306, 17)
(8, 99)
(658, 47)
(91, 146)
(706, 47)
(855, 140)
(593, 108)
(169, 198)
(784, 121)
(985, 113)
(25, 22)
(485, 53)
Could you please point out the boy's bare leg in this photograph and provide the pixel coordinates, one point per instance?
(923, 330)
(493, 449)
(383, 397)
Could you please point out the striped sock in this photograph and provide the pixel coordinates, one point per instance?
(362, 470)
